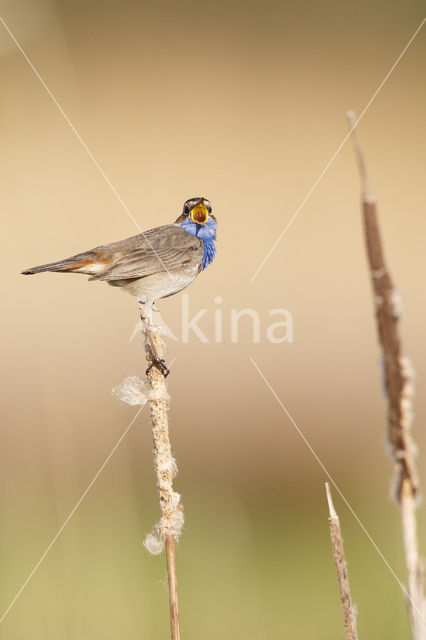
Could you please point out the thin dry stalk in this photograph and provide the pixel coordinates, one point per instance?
(399, 387)
(349, 618)
(169, 527)
(173, 593)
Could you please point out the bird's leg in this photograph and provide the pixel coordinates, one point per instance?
(156, 360)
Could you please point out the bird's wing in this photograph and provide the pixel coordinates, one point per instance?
(162, 249)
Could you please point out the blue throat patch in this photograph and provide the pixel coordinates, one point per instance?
(206, 233)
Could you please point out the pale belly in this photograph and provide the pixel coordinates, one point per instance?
(159, 285)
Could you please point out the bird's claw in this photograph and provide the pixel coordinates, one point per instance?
(160, 364)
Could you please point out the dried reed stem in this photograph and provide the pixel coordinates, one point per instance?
(171, 522)
(399, 388)
(342, 573)
(173, 593)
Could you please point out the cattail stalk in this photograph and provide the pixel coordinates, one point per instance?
(153, 389)
(399, 388)
(169, 527)
(349, 618)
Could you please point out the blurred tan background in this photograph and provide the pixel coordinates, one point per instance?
(243, 103)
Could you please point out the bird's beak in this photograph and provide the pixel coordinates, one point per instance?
(199, 213)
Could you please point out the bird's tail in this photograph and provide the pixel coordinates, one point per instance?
(81, 263)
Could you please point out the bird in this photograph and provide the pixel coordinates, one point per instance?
(151, 265)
